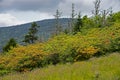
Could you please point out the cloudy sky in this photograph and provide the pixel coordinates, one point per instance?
(14, 12)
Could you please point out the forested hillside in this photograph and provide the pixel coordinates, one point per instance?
(18, 32)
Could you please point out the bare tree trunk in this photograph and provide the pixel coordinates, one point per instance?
(72, 17)
(58, 27)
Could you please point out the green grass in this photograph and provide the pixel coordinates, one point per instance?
(103, 68)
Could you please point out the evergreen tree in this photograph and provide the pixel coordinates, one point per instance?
(78, 25)
(31, 36)
(11, 43)
(87, 22)
(66, 31)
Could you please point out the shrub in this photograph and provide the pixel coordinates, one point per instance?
(52, 59)
(115, 45)
(11, 43)
(3, 72)
(24, 58)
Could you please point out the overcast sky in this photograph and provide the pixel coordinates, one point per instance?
(14, 12)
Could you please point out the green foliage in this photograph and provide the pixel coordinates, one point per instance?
(116, 17)
(52, 59)
(3, 72)
(11, 43)
(115, 46)
(66, 31)
(97, 21)
(31, 36)
(78, 25)
(87, 22)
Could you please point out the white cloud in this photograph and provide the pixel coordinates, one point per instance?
(45, 16)
(7, 19)
(30, 16)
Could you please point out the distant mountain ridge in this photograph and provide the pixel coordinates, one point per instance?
(47, 27)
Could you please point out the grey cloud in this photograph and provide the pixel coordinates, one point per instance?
(49, 6)
(29, 5)
(86, 6)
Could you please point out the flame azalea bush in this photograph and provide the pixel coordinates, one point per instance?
(23, 58)
(97, 41)
(62, 48)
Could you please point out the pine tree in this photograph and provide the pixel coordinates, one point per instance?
(11, 43)
(31, 36)
(78, 25)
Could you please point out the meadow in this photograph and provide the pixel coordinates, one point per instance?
(102, 68)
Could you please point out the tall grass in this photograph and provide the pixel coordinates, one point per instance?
(103, 68)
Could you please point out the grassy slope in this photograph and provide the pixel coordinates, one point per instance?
(103, 68)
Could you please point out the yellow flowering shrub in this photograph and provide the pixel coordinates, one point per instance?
(24, 58)
(96, 40)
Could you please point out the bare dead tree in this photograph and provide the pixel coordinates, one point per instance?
(96, 12)
(72, 17)
(104, 14)
(111, 14)
(57, 22)
(97, 7)
(73, 11)
(101, 15)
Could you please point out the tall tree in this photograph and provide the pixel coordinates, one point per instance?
(11, 43)
(72, 17)
(97, 7)
(58, 27)
(111, 14)
(96, 13)
(78, 25)
(104, 17)
(31, 36)
(100, 16)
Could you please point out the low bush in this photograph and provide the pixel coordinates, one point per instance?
(23, 58)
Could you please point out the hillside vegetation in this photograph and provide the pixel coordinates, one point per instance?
(82, 40)
(103, 68)
(63, 48)
(18, 32)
